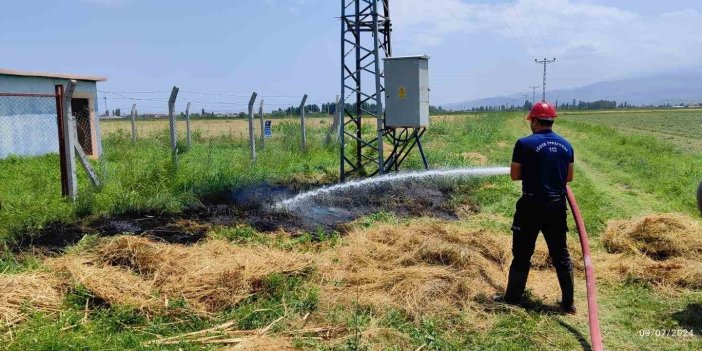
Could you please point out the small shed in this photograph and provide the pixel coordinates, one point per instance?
(28, 125)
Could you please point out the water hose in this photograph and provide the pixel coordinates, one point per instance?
(595, 336)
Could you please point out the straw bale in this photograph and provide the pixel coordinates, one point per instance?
(20, 293)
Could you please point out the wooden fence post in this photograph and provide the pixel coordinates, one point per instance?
(134, 131)
(172, 122)
(302, 123)
(187, 125)
(252, 138)
(263, 132)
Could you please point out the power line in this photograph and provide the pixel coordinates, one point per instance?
(538, 27)
(514, 33)
(519, 18)
(125, 97)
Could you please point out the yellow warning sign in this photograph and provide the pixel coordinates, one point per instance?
(402, 93)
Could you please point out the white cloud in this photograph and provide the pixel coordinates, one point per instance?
(572, 30)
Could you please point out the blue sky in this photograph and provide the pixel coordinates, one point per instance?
(285, 48)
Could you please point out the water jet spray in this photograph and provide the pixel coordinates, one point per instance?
(296, 201)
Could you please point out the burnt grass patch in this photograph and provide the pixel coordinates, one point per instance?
(253, 206)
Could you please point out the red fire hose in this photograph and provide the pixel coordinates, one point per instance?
(592, 309)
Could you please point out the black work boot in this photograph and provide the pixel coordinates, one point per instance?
(565, 280)
(515, 286)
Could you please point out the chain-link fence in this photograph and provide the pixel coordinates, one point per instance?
(28, 125)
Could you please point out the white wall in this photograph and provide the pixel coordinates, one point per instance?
(28, 135)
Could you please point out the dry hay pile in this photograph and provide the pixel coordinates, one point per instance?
(208, 277)
(21, 292)
(661, 249)
(422, 268)
(107, 283)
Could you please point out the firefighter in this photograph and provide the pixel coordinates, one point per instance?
(543, 162)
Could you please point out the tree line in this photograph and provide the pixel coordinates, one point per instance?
(575, 105)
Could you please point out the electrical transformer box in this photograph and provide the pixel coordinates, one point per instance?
(407, 92)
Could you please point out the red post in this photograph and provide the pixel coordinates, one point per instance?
(61, 134)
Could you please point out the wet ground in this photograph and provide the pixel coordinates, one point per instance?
(255, 206)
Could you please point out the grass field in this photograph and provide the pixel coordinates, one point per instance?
(205, 128)
(679, 127)
(386, 283)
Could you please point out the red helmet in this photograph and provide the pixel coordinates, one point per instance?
(543, 110)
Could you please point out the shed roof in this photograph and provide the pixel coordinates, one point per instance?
(12, 72)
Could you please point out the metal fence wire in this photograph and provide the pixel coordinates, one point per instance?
(28, 125)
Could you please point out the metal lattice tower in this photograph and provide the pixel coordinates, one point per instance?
(533, 92)
(545, 62)
(365, 40)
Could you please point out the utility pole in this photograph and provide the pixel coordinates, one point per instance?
(107, 112)
(545, 62)
(533, 93)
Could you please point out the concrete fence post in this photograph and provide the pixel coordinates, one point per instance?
(302, 123)
(187, 125)
(134, 130)
(172, 124)
(252, 138)
(334, 129)
(68, 124)
(263, 131)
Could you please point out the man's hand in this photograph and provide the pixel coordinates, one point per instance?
(516, 171)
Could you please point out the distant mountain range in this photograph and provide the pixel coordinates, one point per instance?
(673, 88)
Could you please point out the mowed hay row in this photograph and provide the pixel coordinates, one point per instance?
(209, 277)
(424, 268)
(22, 292)
(662, 249)
(110, 284)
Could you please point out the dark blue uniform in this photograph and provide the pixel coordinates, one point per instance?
(544, 157)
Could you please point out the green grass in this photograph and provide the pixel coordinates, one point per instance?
(681, 128)
(141, 177)
(620, 173)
